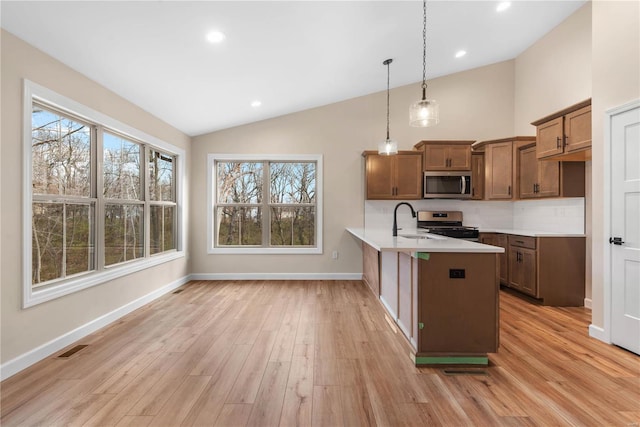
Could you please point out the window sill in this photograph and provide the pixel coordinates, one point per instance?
(48, 293)
(265, 251)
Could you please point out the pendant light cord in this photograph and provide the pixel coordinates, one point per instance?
(424, 50)
(387, 62)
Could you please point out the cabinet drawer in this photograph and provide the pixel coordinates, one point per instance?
(523, 241)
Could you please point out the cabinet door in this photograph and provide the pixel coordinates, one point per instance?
(499, 171)
(477, 176)
(459, 157)
(408, 176)
(436, 157)
(502, 241)
(577, 130)
(522, 270)
(528, 267)
(549, 178)
(380, 182)
(528, 172)
(515, 270)
(549, 138)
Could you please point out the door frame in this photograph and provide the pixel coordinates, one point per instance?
(604, 333)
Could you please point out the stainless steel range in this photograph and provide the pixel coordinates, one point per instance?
(446, 223)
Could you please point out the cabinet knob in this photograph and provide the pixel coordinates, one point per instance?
(558, 142)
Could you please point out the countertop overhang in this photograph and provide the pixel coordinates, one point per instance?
(383, 241)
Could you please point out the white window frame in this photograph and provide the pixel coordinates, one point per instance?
(30, 296)
(212, 205)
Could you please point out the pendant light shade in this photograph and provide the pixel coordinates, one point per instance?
(425, 112)
(388, 146)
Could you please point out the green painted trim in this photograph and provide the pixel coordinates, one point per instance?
(452, 360)
(423, 255)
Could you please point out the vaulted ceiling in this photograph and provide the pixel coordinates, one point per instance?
(289, 55)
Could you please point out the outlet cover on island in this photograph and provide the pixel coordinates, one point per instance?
(334, 255)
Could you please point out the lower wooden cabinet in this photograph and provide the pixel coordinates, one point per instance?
(550, 269)
(522, 264)
(500, 240)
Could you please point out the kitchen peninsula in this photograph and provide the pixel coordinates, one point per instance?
(441, 292)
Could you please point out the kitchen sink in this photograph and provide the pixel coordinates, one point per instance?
(420, 236)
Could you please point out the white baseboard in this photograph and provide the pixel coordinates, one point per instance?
(599, 333)
(391, 312)
(276, 276)
(27, 359)
(587, 303)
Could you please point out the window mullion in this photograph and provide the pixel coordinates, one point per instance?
(144, 158)
(99, 194)
(266, 210)
(63, 267)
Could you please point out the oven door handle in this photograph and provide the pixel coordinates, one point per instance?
(463, 185)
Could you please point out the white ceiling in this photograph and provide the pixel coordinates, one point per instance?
(291, 55)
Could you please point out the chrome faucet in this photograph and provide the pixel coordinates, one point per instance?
(395, 216)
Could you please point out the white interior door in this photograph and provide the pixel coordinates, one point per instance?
(625, 229)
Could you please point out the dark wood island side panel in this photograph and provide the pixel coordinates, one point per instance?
(460, 315)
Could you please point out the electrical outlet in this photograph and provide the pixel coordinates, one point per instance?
(334, 255)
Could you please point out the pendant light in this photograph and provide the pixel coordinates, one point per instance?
(388, 147)
(425, 112)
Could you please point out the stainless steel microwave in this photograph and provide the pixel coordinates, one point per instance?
(447, 185)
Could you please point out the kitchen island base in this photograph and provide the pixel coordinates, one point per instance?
(457, 308)
(441, 293)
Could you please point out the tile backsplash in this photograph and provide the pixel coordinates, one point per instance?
(565, 215)
(559, 215)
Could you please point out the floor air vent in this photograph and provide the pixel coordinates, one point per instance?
(73, 351)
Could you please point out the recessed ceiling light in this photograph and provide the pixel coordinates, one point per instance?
(502, 6)
(256, 104)
(461, 53)
(215, 37)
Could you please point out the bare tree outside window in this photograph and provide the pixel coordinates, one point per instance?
(265, 204)
(62, 209)
(292, 187)
(162, 201)
(69, 201)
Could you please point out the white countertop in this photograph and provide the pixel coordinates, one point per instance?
(382, 240)
(529, 233)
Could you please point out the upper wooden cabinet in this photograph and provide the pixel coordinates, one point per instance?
(396, 177)
(565, 135)
(548, 178)
(446, 155)
(500, 166)
(477, 176)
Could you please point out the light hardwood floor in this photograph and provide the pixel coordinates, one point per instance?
(319, 353)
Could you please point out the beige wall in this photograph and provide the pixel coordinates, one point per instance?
(555, 72)
(24, 330)
(616, 81)
(476, 104)
(552, 74)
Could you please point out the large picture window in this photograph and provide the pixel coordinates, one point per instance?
(102, 200)
(265, 204)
